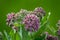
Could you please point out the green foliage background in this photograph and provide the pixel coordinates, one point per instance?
(7, 6)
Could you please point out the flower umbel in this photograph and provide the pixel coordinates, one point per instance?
(31, 22)
(39, 12)
(50, 37)
(10, 19)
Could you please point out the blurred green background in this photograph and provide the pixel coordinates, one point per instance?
(7, 6)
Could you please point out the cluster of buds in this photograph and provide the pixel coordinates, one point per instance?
(24, 12)
(31, 22)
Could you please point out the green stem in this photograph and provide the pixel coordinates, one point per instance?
(15, 36)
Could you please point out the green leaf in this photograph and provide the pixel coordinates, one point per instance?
(23, 33)
(12, 34)
(7, 36)
(45, 18)
(41, 37)
(18, 37)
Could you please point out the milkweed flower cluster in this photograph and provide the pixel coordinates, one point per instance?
(39, 12)
(31, 22)
(29, 18)
(50, 37)
(58, 31)
(10, 19)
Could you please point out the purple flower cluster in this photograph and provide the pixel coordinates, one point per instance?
(58, 32)
(31, 22)
(10, 19)
(50, 37)
(31, 19)
(39, 12)
(58, 24)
